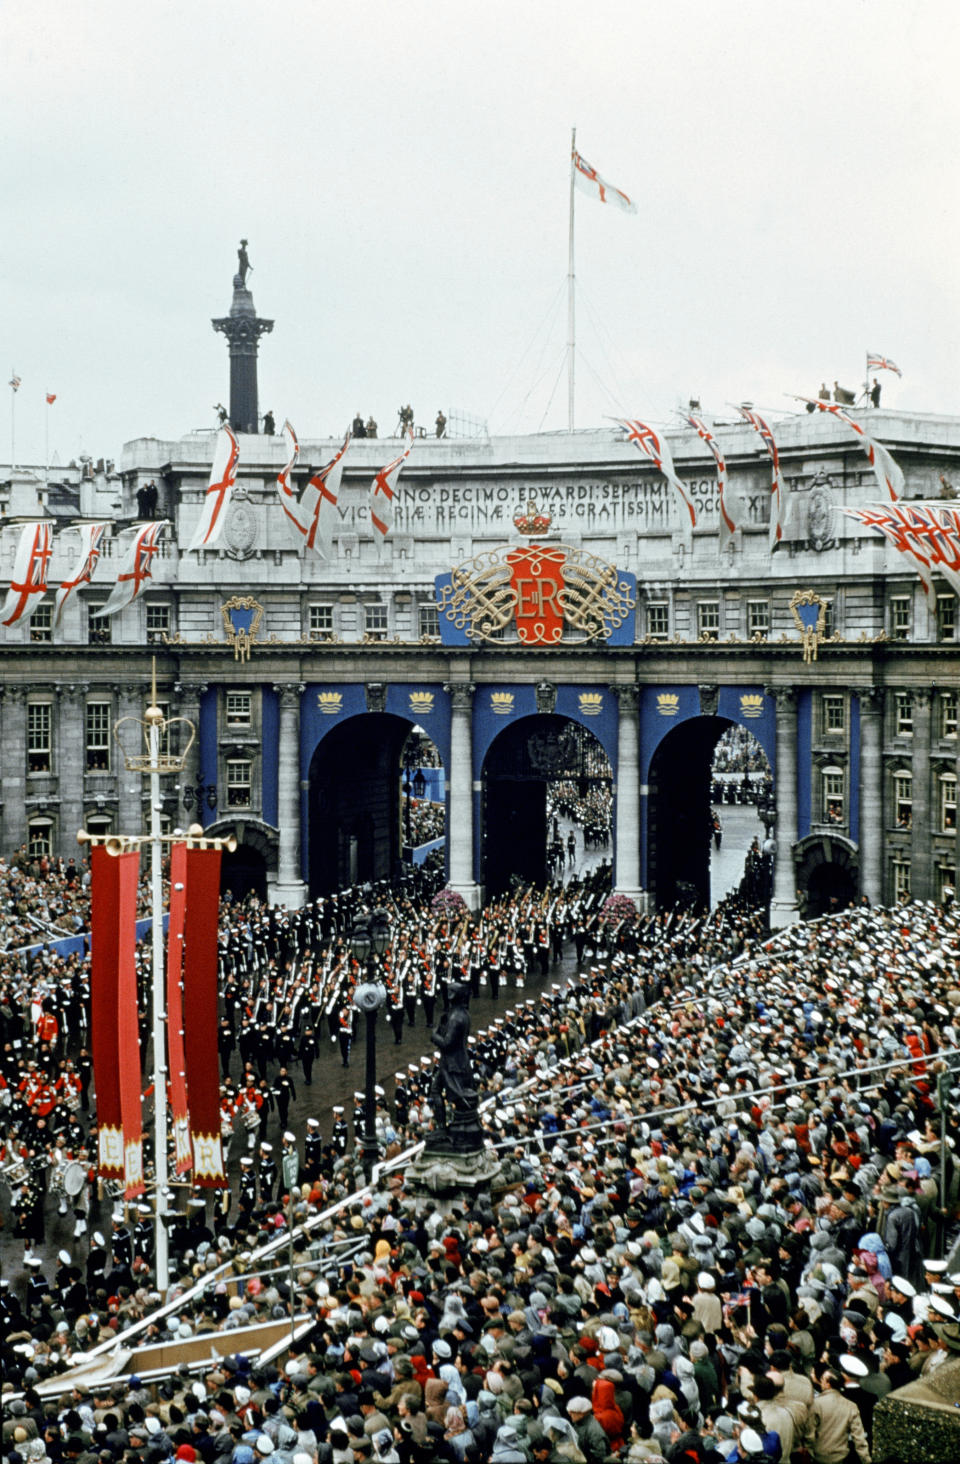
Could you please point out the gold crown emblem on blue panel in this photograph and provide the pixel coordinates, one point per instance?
(421, 702)
(751, 705)
(668, 704)
(591, 703)
(501, 702)
(330, 702)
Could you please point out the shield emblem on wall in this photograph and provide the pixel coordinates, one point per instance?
(536, 577)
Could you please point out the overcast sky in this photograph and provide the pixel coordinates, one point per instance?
(401, 173)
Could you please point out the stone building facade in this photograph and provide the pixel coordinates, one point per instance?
(300, 730)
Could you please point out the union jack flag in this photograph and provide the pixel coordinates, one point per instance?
(135, 571)
(778, 492)
(727, 525)
(382, 491)
(28, 584)
(653, 446)
(927, 533)
(886, 470)
(223, 475)
(881, 363)
(589, 180)
(90, 535)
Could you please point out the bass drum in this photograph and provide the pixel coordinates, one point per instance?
(74, 1178)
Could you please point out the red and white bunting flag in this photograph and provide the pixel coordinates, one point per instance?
(14, 382)
(653, 446)
(778, 489)
(886, 470)
(313, 513)
(382, 492)
(288, 496)
(29, 583)
(135, 570)
(90, 537)
(51, 398)
(223, 475)
(881, 363)
(727, 524)
(589, 181)
(912, 533)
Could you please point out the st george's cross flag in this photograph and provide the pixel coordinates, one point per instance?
(135, 570)
(928, 534)
(51, 398)
(778, 489)
(727, 523)
(313, 512)
(223, 475)
(886, 470)
(653, 445)
(588, 180)
(881, 363)
(29, 582)
(383, 490)
(90, 537)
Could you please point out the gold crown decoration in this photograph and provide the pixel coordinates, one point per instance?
(330, 702)
(531, 520)
(751, 705)
(421, 701)
(501, 702)
(591, 703)
(668, 704)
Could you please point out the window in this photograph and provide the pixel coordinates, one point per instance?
(429, 620)
(901, 879)
(97, 736)
(948, 803)
(158, 624)
(829, 623)
(948, 714)
(903, 797)
(40, 837)
(946, 617)
(947, 883)
(833, 795)
(904, 714)
(708, 618)
(239, 708)
(375, 621)
(658, 619)
(164, 708)
(834, 714)
(900, 617)
(758, 618)
(239, 782)
(41, 624)
(99, 824)
(98, 627)
(321, 621)
(38, 737)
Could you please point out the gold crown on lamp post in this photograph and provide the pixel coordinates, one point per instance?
(144, 762)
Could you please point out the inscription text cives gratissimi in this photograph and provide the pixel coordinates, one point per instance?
(606, 506)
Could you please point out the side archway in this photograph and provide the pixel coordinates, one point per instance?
(252, 867)
(828, 873)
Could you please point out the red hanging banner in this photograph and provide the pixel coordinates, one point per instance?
(200, 1015)
(115, 1032)
(175, 1053)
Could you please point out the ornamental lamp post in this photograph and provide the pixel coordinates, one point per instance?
(369, 939)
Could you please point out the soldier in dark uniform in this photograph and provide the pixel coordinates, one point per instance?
(121, 1244)
(96, 1262)
(143, 1233)
(37, 1286)
(401, 1099)
(345, 1031)
(308, 1054)
(226, 1042)
(395, 999)
(269, 1173)
(285, 1093)
(247, 1188)
(312, 1150)
(341, 1134)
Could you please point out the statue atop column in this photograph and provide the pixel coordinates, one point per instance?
(243, 266)
(243, 328)
(452, 1092)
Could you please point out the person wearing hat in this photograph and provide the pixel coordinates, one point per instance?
(591, 1439)
(834, 1430)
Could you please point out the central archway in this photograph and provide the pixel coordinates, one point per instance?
(527, 760)
(353, 802)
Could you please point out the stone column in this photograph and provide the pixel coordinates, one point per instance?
(871, 794)
(924, 816)
(627, 833)
(70, 762)
(783, 906)
(132, 788)
(289, 889)
(14, 765)
(186, 703)
(460, 807)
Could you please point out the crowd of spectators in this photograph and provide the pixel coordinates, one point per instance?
(728, 1240)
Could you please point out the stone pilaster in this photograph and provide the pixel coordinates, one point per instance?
(289, 889)
(921, 844)
(133, 789)
(460, 809)
(14, 767)
(626, 858)
(783, 906)
(70, 761)
(871, 794)
(186, 703)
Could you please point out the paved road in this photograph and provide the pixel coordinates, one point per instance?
(740, 827)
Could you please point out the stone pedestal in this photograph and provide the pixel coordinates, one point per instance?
(920, 1424)
(446, 1175)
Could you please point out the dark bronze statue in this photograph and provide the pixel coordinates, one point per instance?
(452, 1092)
(243, 263)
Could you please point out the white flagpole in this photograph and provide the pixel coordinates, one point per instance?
(571, 315)
(13, 423)
(46, 447)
